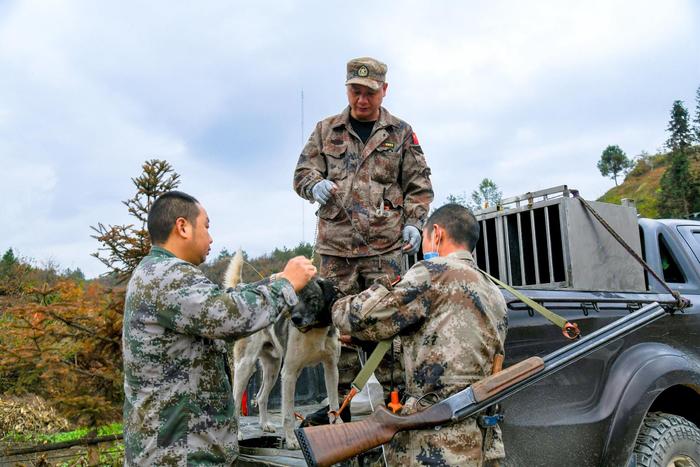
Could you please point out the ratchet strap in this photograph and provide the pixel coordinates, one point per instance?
(367, 369)
(570, 330)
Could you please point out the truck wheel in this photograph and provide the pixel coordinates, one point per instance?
(667, 440)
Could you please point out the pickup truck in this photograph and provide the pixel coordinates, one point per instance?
(635, 402)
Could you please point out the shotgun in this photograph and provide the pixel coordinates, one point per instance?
(325, 445)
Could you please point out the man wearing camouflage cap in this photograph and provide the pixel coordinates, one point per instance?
(452, 321)
(367, 171)
(178, 404)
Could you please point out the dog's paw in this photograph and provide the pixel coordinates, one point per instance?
(291, 442)
(268, 428)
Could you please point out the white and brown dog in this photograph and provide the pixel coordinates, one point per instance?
(306, 338)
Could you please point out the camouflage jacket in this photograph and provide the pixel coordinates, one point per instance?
(382, 185)
(178, 405)
(451, 321)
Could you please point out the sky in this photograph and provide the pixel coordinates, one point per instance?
(527, 94)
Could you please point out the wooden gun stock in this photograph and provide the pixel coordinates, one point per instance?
(325, 445)
(492, 385)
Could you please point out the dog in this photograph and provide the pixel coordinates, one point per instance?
(305, 338)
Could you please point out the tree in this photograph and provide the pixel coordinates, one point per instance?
(7, 262)
(458, 199)
(15, 274)
(126, 245)
(678, 190)
(486, 195)
(680, 137)
(63, 342)
(256, 268)
(614, 161)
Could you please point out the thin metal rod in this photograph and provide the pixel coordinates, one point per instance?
(486, 246)
(549, 244)
(619, 323)
(522, 254)
(507, 242)
(534, 246)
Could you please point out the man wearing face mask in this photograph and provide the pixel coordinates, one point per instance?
(452, 322)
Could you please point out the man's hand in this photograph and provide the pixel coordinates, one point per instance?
(299, 272)
(323, 191)
(411, 237)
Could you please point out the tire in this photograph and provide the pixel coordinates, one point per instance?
(667, 440)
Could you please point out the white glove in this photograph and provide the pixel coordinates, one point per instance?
(323, 190)
(411, 238)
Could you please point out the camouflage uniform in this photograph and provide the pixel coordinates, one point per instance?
(383, 185)
(178, 405)
(451, 321)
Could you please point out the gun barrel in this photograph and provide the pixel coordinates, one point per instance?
(567, 355)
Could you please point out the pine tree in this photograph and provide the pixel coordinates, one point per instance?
(8, 260)
(614, 161)
(126, 245)
(678, 191)
(679, 128)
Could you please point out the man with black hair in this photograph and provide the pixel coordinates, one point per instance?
(451, 321)
(178, 404)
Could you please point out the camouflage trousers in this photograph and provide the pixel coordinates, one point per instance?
(352, 276)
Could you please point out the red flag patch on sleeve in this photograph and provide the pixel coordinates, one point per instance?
(415, 138)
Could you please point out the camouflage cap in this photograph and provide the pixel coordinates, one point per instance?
(367, 72)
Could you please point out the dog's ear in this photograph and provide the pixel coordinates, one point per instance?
(330, 292)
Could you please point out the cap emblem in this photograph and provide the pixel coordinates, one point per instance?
(362, 72)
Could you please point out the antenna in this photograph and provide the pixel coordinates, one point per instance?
(303, 228)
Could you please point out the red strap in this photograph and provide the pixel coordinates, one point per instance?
(415, 138)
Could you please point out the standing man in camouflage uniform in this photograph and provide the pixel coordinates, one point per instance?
(452, 322)
(367, 171)
(178, 405)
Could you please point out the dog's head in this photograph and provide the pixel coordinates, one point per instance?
(314, 307)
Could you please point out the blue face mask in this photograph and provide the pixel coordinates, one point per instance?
(434, 252)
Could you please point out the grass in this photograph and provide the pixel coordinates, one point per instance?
(112, 429)
(643, 185)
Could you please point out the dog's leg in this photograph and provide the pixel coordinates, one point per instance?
(270, 370)
(330, 373)
(245, 356)
(289, 380)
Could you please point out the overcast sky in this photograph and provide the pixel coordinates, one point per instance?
(525, 93)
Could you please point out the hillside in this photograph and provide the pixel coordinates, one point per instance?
(642, 183)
